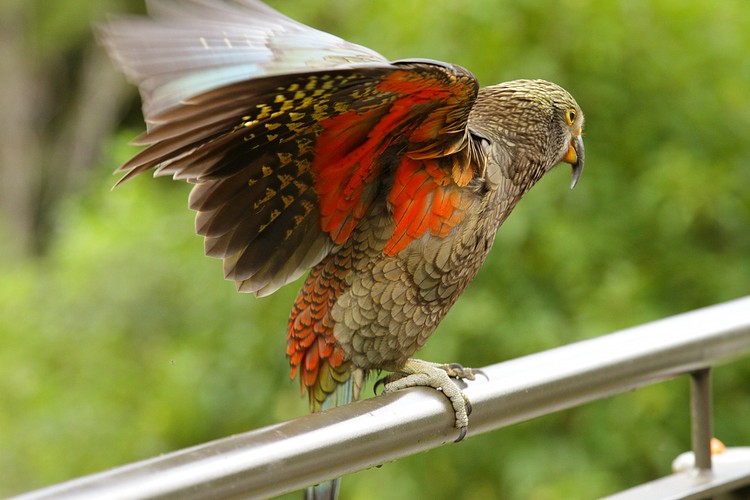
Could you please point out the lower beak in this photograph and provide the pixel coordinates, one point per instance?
(575, 156)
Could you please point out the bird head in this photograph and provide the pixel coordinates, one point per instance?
(531, 125)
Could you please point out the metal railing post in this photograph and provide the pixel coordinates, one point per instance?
(701, 417)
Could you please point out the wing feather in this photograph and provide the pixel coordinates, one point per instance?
(287, 160)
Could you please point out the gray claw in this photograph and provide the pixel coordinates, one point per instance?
(461, 435)
(380, 382)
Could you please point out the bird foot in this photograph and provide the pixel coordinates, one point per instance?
(418, 373)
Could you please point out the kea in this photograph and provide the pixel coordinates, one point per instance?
(387, 180)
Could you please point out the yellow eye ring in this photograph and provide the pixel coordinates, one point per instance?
(570, 116)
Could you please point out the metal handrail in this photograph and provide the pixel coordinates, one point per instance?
(293, 454)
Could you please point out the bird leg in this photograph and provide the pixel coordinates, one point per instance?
(418, 373)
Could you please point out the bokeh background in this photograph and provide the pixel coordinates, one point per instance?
(120, 341)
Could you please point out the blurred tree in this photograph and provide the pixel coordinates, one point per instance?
(61, 100)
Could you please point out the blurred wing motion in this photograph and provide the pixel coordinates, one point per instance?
(290, 133)
(187, 47)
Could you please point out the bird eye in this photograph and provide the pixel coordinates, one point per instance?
(571, 116)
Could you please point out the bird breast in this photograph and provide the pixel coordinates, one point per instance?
(393, 303)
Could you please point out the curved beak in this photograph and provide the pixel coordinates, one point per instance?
(575, 156)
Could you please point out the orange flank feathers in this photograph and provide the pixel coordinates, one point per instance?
(423, 199)
(312, 349)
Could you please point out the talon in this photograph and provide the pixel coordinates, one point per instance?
(468, 407)
(461, 434)
(378, 383)
(457, 370)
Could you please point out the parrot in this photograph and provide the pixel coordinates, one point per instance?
(386, 181)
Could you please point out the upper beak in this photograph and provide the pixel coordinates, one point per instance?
(575, 156)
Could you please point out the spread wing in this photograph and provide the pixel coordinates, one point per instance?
(287, 160)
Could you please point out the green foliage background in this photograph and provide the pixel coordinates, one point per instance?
(124, 342)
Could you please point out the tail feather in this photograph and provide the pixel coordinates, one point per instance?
(345, 393)
(328, 490)
(315, 355)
